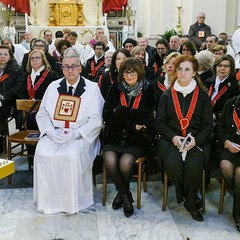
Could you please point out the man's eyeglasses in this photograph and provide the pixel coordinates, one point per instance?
(125, 74)
(35, 58)
(73, 67)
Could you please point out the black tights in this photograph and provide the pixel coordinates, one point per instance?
(120, 168)
(231, 174)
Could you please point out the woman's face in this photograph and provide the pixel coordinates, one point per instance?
(63, 48)
(130, 77)
(223, 69)
(108, 59)
(4, 57)
(121, 57)
(169, 66)
(186, 51)
(39, 46)
(218, 53)
(185, 73)
(36, 60)
(140, 56)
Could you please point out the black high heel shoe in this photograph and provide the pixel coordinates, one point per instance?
(238, 226)
(117, 201)
(127, 206)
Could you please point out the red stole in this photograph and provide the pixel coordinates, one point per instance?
(184, 122)
(236, 120)
(3, 77)
(95, 69)
(219, 94)
(161, 86)
(135, 103)
(32, 90)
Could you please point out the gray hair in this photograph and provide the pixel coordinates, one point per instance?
(71, 53)
(205, 59)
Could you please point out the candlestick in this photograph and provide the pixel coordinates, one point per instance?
(179, 26)
(179, 3)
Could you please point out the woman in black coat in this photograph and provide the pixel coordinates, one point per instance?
(128, 110)
(39, 75)
(184, 121)
(11, 79)
(228, 135)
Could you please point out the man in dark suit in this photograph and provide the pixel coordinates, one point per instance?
(199, 31)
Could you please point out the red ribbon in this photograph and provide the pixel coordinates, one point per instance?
(3, 77)
(95, 69)
(135, 103)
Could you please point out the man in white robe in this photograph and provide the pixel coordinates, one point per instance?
(64, 156)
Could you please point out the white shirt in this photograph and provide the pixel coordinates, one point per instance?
(216, 86)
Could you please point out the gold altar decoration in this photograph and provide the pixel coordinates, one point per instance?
(66, 13)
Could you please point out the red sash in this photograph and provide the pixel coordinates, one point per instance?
(236, 120)
(184, 122)
(219, 94)
(32, 90)
(3, 77)
(135, 103)
(100, 81)
(161, 86)
(95, 69)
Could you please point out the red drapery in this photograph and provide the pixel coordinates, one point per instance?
(21, 6)
(113, 5)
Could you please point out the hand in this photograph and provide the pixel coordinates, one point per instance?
(231, 146)
(139, 127)
(189, 145)
(177, 141)
(55, 136)
(69, 134)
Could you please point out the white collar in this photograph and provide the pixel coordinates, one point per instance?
(34, 73)
(74, 85)
(186, 89)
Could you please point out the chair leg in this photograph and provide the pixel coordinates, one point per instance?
(203, 191)
(139, 180)
(144, 181)
(222, 193)
(10, 179)
(104, 186)
(165, 191)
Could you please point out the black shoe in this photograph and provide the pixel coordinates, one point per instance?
(127, 206)
(238, 226)
(117, 201)
(196, 215)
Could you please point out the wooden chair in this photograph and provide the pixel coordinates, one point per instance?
(140, 175)
(165, 191)
(18, 138)
(222, 194)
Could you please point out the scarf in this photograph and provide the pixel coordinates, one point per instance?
(34, 74)
(132, 91)
(185, 89)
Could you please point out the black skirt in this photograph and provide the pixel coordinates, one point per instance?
(231, 157)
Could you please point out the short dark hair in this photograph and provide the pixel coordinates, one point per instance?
(189, 45)
(73, 34)
(162, 41)
(9, 50)
(58, 34)
(213, 35)
(62, 43)
(99, 43)
(132, 64)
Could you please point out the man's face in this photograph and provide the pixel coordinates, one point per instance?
(28, 36)
(72, 39)
(99, 32)
(48, 36)
(210, 42)
(201, 18)
(174, 43)
(143, 42)
(98, 51)
(129, 47)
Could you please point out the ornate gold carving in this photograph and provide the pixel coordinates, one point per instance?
(66, 13)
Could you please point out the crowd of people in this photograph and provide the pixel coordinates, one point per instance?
(183, 94)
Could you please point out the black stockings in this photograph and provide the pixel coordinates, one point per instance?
(231, 174)
(120, 168)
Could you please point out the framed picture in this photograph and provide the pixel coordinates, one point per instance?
(20, 36)
(112, 14)
(113, 37)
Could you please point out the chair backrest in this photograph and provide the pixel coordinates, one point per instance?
(25, 105)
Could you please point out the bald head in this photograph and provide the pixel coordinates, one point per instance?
(174, 42)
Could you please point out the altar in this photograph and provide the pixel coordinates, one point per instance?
(85, 33)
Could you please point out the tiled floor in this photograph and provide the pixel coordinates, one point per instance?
(19, 219)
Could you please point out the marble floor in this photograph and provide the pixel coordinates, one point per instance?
(19, 219)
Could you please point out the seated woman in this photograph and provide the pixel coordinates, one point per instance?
(69, 120)
(39, 76)
(11, 79)
(127, 111)
(184, 121)
(188, 48)
(227, 133)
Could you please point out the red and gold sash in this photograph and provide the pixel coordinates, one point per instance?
(184, 122)
(236, 120)
(3, 77)
(161, 86)
(32, 90)
(135, 103)
(219, 94)
(95, 69)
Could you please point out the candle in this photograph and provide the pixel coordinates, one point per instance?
(179, 3)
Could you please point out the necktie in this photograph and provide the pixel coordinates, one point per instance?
(70, 90)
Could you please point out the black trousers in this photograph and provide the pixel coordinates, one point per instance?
(185, 175)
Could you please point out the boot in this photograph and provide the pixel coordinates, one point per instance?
(127, 206)
(117, 201)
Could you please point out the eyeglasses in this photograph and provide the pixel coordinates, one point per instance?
(201, 17)
(125, 74)
(223, 65)
(161, 49)
(39, 46)
(35, 58)
(99, 49)
(73, 67)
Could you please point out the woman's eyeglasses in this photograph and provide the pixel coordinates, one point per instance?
(35, 58)
(133, 73)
